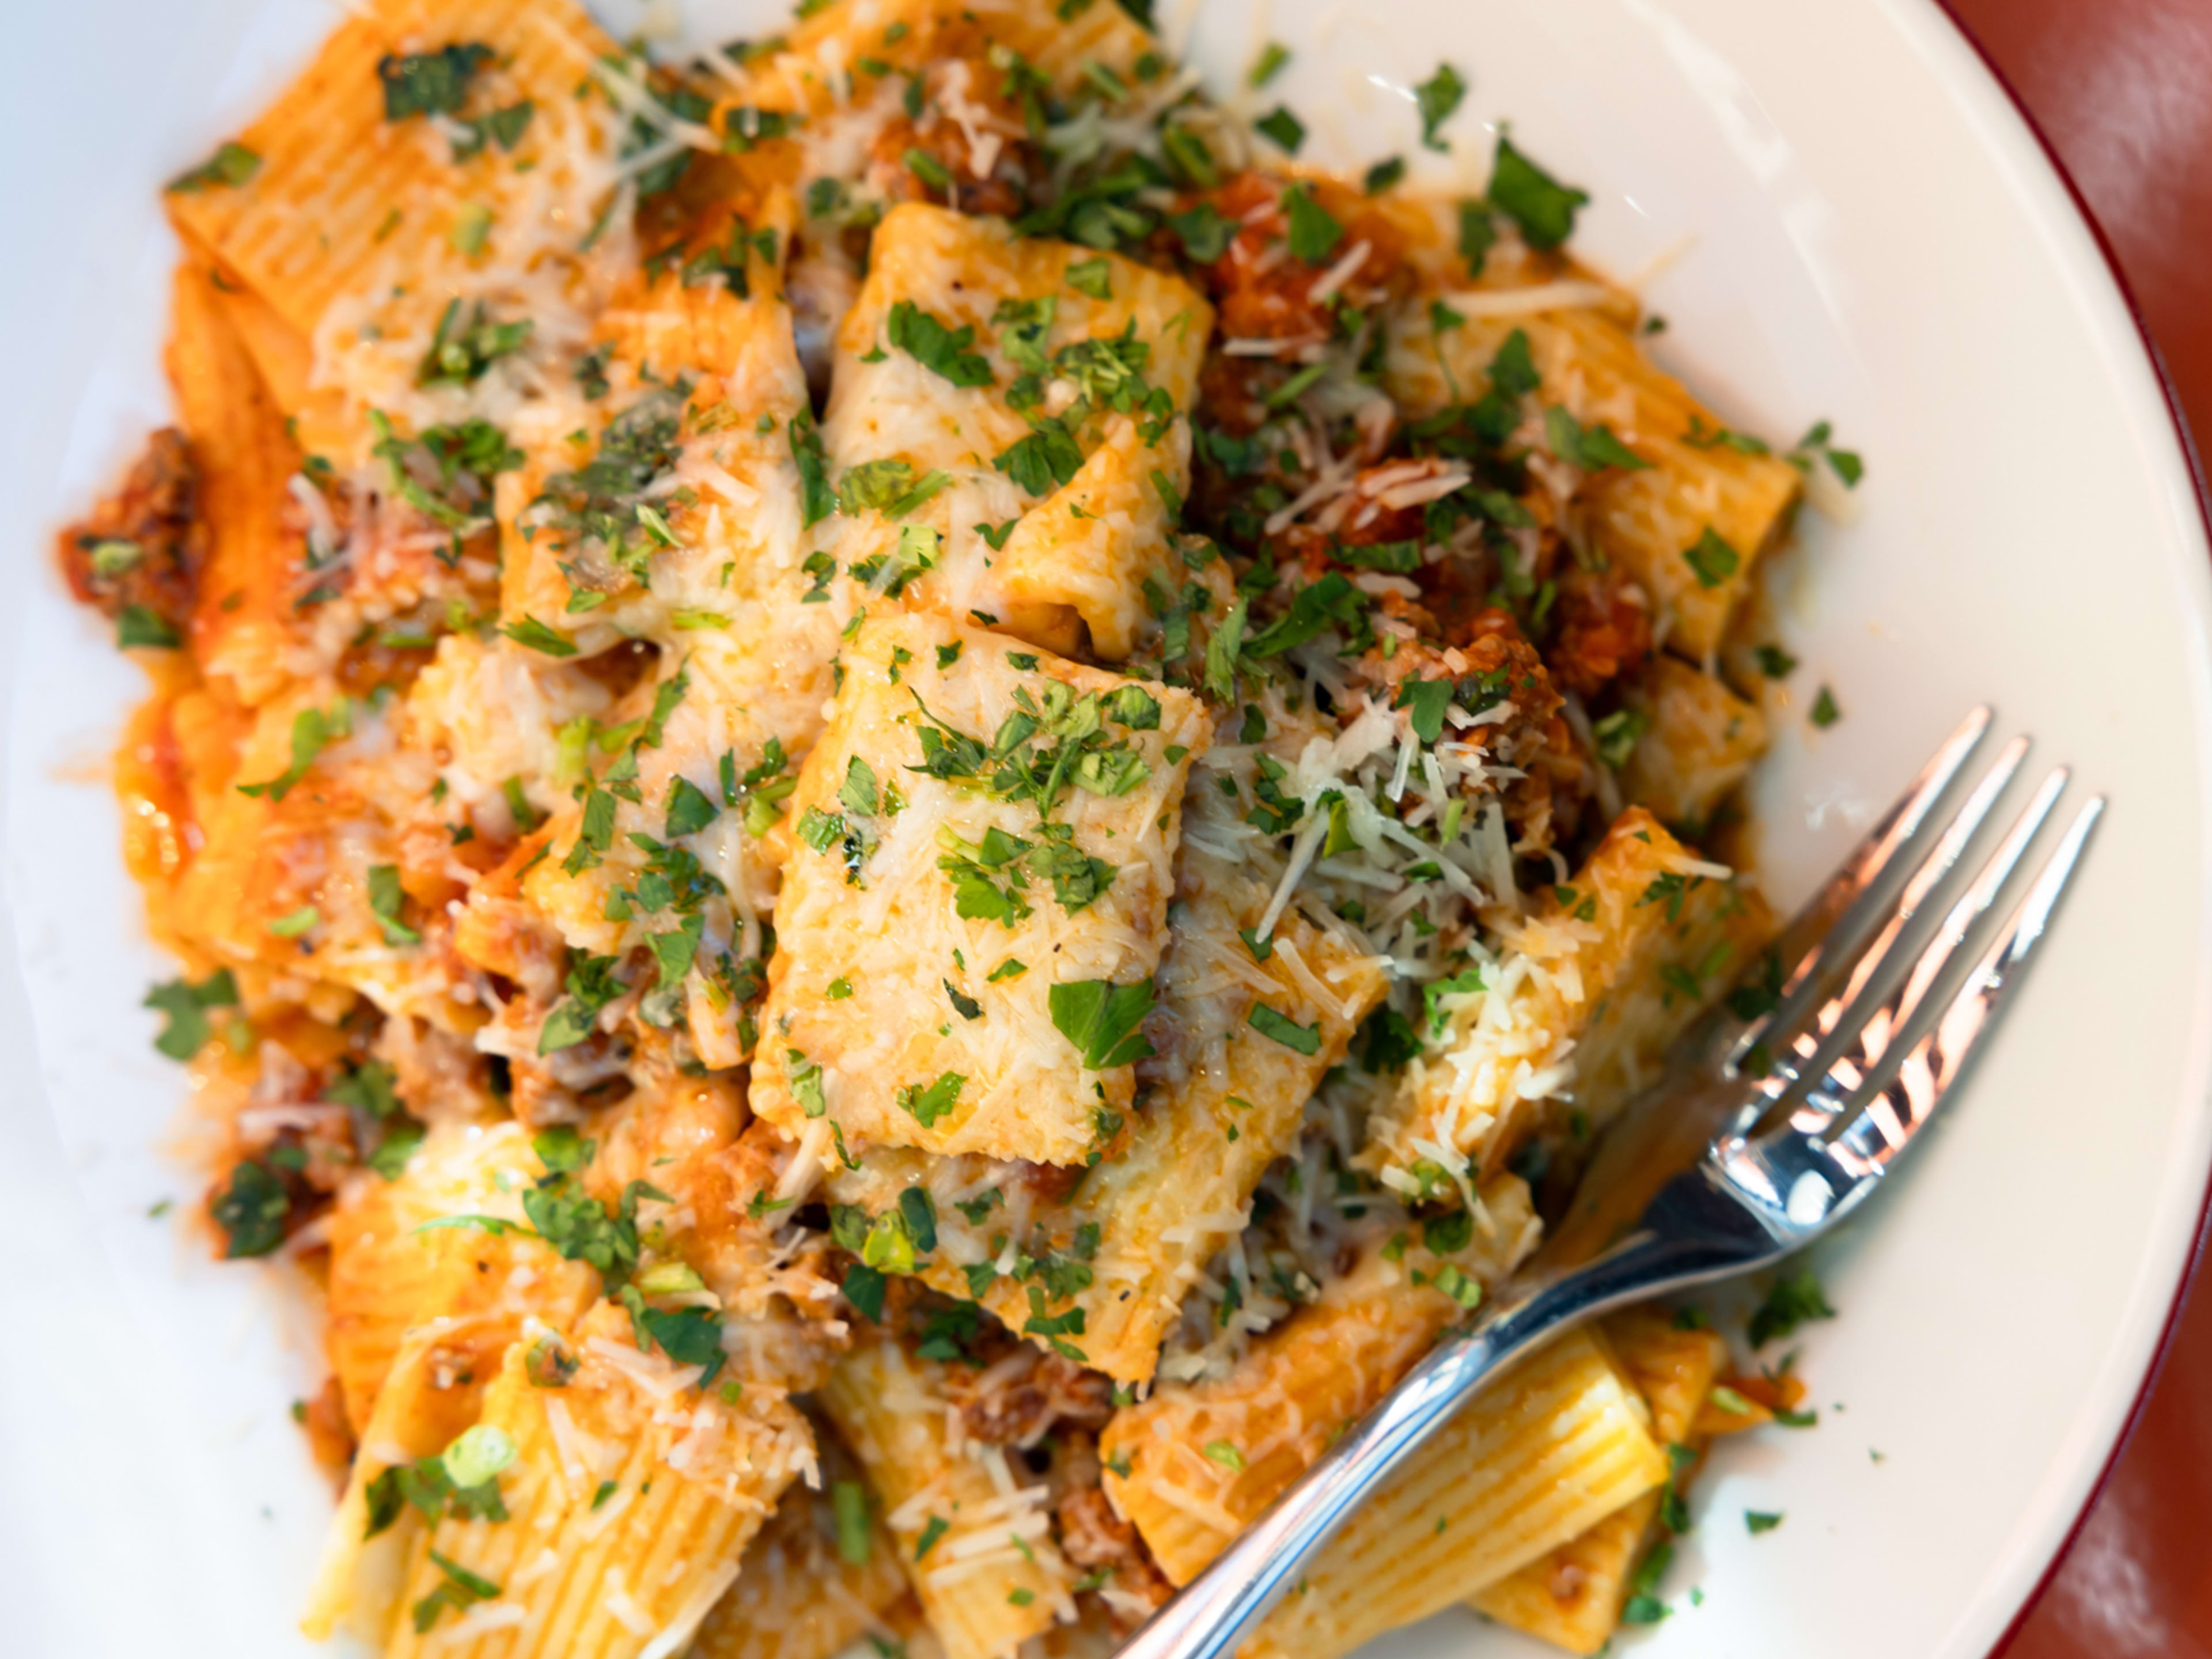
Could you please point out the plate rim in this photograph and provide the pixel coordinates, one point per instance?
(1922, 25)
(2043, 149)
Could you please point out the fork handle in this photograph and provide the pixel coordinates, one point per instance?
(1217, 1609)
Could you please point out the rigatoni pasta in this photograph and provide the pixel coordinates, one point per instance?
(1558, 1443)
(824, 1572)
(973, 1525)
(1206, 1459)
(911, 810)
(1573, 1596)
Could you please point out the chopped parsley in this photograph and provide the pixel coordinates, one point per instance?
(1618, 734)
(591, 985)
(1401, 558)
(927, 1102)
(464, 1478)
(1711, 560)
(230, 167)
(804, 1077)
(471, 229)
(183, 1005)
(503, 127)
(251, 1209)
(1459, 1285)
(1055, 1327)
(848, 1499)
(1187, 154)
(819, 501)
(1796, 1299)
(1824, 711)
(1435, 98)
(1643, 1605)
(1101, 1019)
(463, 346)
(690, 1336)
(1387, 1042)
(1092, 276)
(745, 127)
(313, 731)
(1539, 204)
(1284, 129)
(864, 1288)
(926, 167)
(1477, 234)
(602, 503)
(1590, 448)
(944, 351)
(297, 922)
(385, 898)
(917, 1212)
(1314, 231)
(1427, 701)
(464, 460)
(460, 1591)
(1846, 463)
(874, 485)
(1268, 1022)
(860, 792)
(1701, 436)
(535, 636)
(429, 82)
(1043, 461)
(1463, 983)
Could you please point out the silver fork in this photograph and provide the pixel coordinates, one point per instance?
(1775, 1117)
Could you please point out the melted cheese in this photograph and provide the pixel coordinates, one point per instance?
(868, 931)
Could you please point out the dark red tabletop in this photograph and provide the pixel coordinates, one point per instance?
(2121, 90)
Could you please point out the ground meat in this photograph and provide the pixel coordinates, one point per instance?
(1491, 647)
(1489, 650)
(623, 669)
(1048, 1183)
(1363, 517)
(1022, 1397)
(1232, 393)
(560, 1089)
(1605, 629)
(1261, 290)
(1091, 1533)
(1002, 188)
(269, 1195)
(330, 1437)
(145, 544)
(1092, 1536)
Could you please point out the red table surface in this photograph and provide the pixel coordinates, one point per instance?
(2121, 91)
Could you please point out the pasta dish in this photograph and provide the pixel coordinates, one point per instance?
(912, 803)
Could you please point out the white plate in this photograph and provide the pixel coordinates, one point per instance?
(1874, 237)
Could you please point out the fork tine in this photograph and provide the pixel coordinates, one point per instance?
(1949, 847)
(1845, 903)
(1896, 1112)
(1793, 1048)
(1895, 1014)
